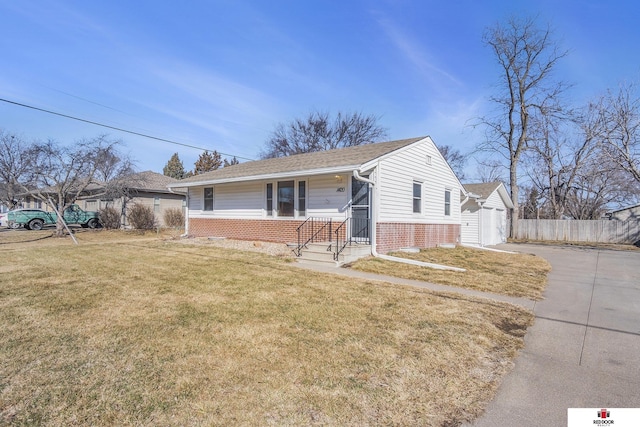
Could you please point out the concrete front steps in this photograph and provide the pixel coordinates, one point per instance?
(321, 253)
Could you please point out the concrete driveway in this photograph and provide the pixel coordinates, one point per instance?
(584, 349)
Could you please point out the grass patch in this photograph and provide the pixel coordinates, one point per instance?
(147, 332)
(518, 275)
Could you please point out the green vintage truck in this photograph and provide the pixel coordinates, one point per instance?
(35, 219)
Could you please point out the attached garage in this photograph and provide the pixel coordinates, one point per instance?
(484, 214)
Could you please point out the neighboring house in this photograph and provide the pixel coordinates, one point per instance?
(624, 214)
(484, 214)
(392, 194)
(29, 202)
(147, 188)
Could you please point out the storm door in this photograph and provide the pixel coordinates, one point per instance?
(360, 210)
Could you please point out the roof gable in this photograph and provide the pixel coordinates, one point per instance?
(486, 189)
(341, 158)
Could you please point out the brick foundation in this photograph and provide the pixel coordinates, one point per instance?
(393, 236)
(267, 230)
(390, 236)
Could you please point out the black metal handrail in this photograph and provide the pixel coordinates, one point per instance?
(312, 230)
(349, 231)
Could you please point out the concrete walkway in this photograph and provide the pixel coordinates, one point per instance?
(583, 350)
(529, 304)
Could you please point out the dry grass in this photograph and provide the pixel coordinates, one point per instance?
(518, 275)
(161, 333)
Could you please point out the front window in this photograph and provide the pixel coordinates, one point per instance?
(417, 197)
(447, 202)
(302, 198)
(286, 198)
(208, 199)
(269, 199)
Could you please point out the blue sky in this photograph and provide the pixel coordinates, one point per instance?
(222, 74)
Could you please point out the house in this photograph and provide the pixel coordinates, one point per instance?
(146, 188)
(623, 214)
(391, 194)
(484, 214)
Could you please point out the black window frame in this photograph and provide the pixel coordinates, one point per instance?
(207, 204)
(417, 200)
(447, 202)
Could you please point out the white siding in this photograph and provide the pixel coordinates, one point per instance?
(195, 198)
(494, 201)
(396, 175)
(328, 196)
(469, 229)
(238, 200)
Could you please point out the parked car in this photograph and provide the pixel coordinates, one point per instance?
(3, 219)
(35, 219)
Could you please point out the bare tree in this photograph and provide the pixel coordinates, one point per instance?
(527, 56)
(455, 158)
(562, 155)
(599, 185)
(621, 112)
(61, 174)
(15, 165)
(489, 170)
(318, 132)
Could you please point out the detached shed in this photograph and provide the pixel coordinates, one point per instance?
(484, 214)
(625, 214)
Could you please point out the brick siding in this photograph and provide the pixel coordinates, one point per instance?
(390, 236)
(393, 236)
(267, 230)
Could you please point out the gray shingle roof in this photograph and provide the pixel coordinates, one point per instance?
(141, 181)
(483, 189)
(341, 157)
(151, 181)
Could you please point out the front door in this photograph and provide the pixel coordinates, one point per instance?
(360, 210)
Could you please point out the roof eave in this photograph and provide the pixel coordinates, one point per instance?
(373, 162)
(266, 177)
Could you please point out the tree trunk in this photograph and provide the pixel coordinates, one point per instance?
(59, 221)
(515, 212)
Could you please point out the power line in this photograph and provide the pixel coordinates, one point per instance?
(116, 128)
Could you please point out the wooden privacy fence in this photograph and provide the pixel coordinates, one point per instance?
(594, 231)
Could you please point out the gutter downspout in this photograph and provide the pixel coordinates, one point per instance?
(481, 224)
(374, 251)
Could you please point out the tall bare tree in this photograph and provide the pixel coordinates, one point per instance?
(489, 170)
(562, 155)
(621, 112)
(318, 132)
(527, 56)
(455, 158)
